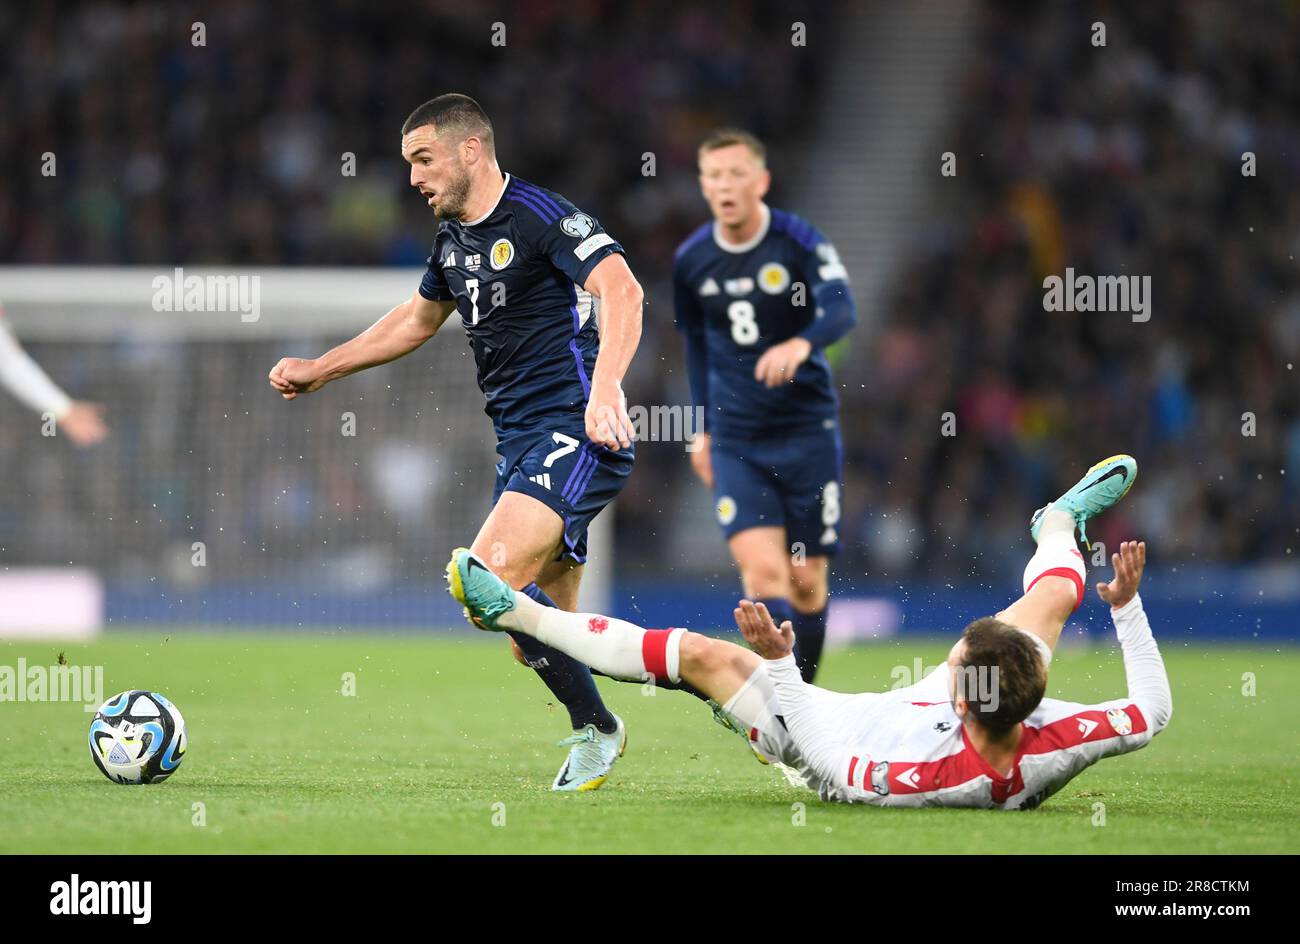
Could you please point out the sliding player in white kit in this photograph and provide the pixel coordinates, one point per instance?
(976, 732)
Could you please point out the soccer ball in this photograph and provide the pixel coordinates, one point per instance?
(137, 737)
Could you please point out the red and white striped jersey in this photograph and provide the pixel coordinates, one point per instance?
(909, 748)
(923, 756)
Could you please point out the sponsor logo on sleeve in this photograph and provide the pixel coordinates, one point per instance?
(578, 225)
(1120, 721)
(591, 244)
(880, 778)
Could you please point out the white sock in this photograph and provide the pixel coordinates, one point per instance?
(1058, 556)
(1055, 521)
(619, 649)
(752, 705)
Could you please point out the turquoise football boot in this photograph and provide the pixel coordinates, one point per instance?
(1101, 487)
(485, 596)
(591, 757)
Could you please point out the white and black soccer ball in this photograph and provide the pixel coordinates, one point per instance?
(137, 737)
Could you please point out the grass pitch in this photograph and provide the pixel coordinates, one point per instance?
(447, 747)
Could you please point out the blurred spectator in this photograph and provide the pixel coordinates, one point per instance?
(1122, 160)
(1118, 160)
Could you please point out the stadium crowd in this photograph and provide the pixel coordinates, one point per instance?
(1125, 159)
(233, 152)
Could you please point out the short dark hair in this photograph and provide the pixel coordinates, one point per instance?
(726, 137)
(1021, 673)
(455, 113)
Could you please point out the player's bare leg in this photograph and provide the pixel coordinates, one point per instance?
(1044, 610)
(520, 539)
(716, 667)
(764, 562)
(809, 583)
(792, 586)
(560, 580)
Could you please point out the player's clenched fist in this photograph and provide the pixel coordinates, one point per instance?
(607, 420)
(295, 375)
(1128, 562)
(83, 423)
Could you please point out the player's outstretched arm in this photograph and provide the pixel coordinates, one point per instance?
(399, 332)
(621, 299)
(824, 754)
(1148, 682)
(81, 421)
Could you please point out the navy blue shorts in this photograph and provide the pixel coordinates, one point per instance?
(792, 481)
(568, 473)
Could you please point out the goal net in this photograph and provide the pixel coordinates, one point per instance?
(214, 501)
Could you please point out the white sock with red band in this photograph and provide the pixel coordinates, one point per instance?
(1058, 556)
(619, 649)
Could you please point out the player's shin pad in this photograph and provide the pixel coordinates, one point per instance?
(612, 646)
(1057, 557)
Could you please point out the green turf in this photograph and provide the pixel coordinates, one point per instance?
(443, 728)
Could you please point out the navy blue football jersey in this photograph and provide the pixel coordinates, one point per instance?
(739, 300)
(516, 275)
